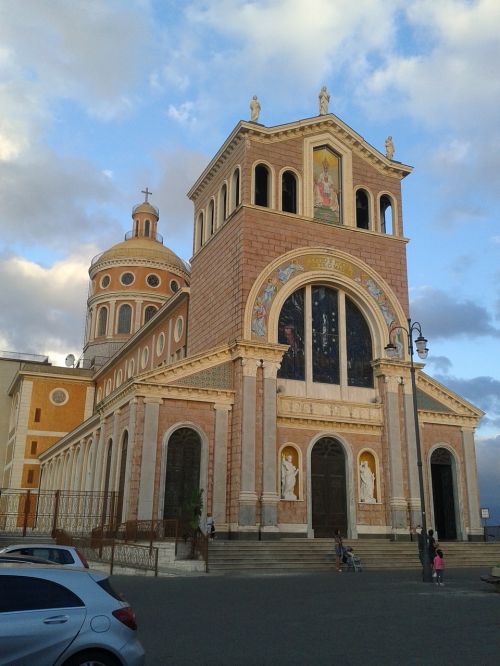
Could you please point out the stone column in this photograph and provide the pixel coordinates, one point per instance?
(469, 450)
(397, 501)
(248, 496)
(148, 461)
(113, 483)
(411, 457)
(270, 495)
(220, 467)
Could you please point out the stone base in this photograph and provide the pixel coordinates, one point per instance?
(476, 537)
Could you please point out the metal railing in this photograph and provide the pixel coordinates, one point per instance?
(46, 511)
(113, 552)
(492, 533)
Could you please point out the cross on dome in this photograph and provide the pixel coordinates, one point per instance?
(146, 193)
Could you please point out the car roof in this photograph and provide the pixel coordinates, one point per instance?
(35, 545)
(46, 570)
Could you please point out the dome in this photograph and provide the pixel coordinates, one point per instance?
(140, 249)
(146, 207)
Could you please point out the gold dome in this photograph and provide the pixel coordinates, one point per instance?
(140, 249)
(146, 207)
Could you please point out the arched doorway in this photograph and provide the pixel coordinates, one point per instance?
(328, 488)
(182, 476)
(443, 494)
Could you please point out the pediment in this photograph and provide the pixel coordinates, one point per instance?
(433, 398)
(212, 370)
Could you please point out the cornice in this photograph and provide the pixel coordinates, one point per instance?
(307, 413)
(250, 131)
(132, 261)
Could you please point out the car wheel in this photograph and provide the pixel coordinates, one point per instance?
(92, 658)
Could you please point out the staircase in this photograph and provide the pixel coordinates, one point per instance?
(301, 555)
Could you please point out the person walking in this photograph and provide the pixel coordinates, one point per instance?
(438, 565)
(339, 550)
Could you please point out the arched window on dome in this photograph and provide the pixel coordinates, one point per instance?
(362, 210)
(147, 228)
(149, 312)
(124, 318)
(333, 346)
(288, 192)
(102, 321)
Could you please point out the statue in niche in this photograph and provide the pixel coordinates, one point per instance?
(389, 148)
(324, 98)
(366, 484)
(288, 478)
(254, 109)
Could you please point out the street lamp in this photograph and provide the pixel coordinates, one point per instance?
(422, 351)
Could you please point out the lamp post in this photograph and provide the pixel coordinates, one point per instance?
(422, 351)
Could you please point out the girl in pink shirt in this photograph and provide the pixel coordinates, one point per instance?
(438, 564)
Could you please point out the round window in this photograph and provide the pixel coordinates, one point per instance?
(59, 397)
(153, 280)
(119, 377)
(105, 280)
(145, 357)
(174, 286)
(127, 278)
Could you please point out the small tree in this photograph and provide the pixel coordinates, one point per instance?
(191, 514)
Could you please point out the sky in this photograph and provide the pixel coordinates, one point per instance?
(101, 98)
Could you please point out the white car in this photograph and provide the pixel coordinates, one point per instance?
(61, 616)
(67, 556)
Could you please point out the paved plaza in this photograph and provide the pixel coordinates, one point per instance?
(374, 617)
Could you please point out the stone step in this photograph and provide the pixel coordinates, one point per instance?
(317, 555)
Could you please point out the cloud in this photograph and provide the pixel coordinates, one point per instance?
(440, 363)
(56, 201)
(43, 307)
(448, 318)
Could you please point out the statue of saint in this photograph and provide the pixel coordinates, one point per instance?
(324, 98)
(288, 477)
(389, 148)
(254, 109)
(366, 484)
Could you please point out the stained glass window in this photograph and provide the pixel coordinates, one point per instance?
(325, 337)
(291, 332)
(359, 347)
(325, 331)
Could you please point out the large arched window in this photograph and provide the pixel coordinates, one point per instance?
(332, 346)
(289, 192)
(261, 185)
(386, 214)
(102, 322)
(124, 318)
(362, 210)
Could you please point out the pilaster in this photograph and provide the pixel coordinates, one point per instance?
(220, 466)
(248, 496)
(148, 462)
(475, 528)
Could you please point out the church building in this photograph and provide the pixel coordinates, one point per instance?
(258, 372)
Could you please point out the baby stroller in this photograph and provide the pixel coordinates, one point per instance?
(352, 562)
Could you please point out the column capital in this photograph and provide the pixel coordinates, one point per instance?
(222, 407)
(270, 369)
(250, 366)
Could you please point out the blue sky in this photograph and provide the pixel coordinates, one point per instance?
(108, 96)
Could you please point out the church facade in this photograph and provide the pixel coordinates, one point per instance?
(258, 373)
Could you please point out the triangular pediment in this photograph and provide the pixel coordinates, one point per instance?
(435, 400)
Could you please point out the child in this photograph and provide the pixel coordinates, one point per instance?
(438, 564)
